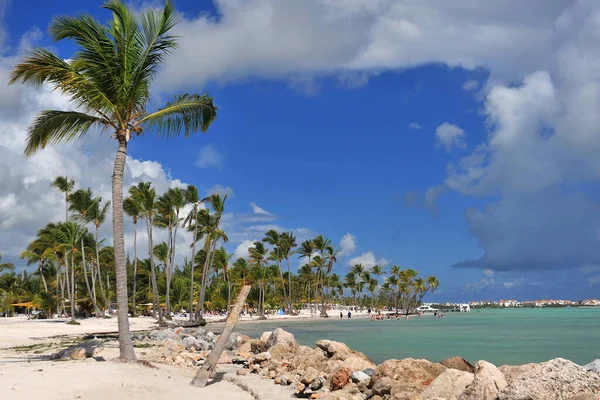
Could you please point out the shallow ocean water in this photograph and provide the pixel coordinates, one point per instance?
(513, 336)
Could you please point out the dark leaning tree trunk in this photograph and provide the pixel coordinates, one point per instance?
(126, 352)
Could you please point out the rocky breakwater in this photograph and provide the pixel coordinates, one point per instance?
(333, 371)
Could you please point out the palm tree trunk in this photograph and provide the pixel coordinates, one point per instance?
(323, 310)
(168, 272)
(156, 310)
(87, 282)
(191, 310)
(41, 270)
(205, 273)
(289, 282)
(102, 292)
(126, 351)
(133, 309)
(58, 284)
(68, 282)
(285, 297)
(72, 287)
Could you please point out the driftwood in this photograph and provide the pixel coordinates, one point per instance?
(208, 369)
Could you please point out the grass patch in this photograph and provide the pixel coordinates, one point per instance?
(29, 347)
(73, 323)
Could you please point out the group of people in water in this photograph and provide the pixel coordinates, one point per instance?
(382, 317)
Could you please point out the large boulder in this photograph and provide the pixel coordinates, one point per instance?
(343, 395)
(511, 372)
(488, 382)
(340, 378)
(307, 357)
(258, 346)
(594, 366)
(191, 342)
(235, 340)
(334, 349)
(165, 334)
(458, 363)
(403, 378)
(281, 337)
(358, 363)
(449, 385)
(265, 336)
(557, 379)
(282, 352)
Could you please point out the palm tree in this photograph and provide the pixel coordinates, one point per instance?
(288, 244)
(306, 250)
(132, 209)
(109, 79)
(81, 203)
(321, 245)
(258, 258)
(391, 283)
(6, 266)
(242, 267)
(145, 197)
(33, 256)
(192, 197)
(65, 185)
(350, 283)
(273, 238)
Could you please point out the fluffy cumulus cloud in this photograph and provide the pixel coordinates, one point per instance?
(540, 158)
(347, 245)
(209, 157)
(450, 136)
(301, 40)
(368, 259)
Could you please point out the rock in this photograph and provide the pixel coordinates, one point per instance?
(345, 395)
(265, 336)
(236, 340)
(309, 375)
(317, 383)
(357, 363)
(190, 342)
(258, 346)
(511, 372)
(174, 344)
(210, 336)
(360, 377)
(369, 371)
(242, 371)
(408, 376)
(449, 385)
(318, 395)
(594, 366)
(488, 382)
(200, 333)
(558, 379)
(165, 334)
(340, 378)
(245, 350)
(303, 360)
(585, 396)
(281, 337)
(332, 348)
(238, 360)
(282, 351)
(259, 358)
(458, 363)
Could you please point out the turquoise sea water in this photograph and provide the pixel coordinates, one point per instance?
(514, 336)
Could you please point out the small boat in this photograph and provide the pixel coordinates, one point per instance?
(426, 309)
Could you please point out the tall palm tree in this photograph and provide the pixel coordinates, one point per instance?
(258, 259)
(321, 245)
(109, 79)
(276, 240)
(192, 197)
(65, 185)
(145, 197)
(242, 267)
(132, 209)
(81, 204)
(306, 250)
(391, 283)
(33, 256)
(6, 266)
(288, 244)
(351, 284)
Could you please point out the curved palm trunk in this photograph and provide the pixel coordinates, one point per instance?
(41, 270)
(126, 351)
(285, 296)
(72, 295)
(68, 283)
(205, 271)
(133, 309)
(323, 311)
(193, 264)
(168, 267)
(99, 274)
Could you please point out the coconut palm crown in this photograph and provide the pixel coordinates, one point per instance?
(108, 79)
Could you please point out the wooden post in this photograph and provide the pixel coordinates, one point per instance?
(207, 370)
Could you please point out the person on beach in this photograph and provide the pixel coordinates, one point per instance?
(341, 315)
(349, 314)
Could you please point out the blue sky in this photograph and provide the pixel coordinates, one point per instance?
(431, 147)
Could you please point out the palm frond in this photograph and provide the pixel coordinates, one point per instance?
(53, 126)
(187, 112)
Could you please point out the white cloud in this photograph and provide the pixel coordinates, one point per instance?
(311, 38)
(368, 260)
(414, 125)
(257, 210)
(241, 251)
(347, 245)
(209, 157)
(470, 85)
(450, 137)
(222, 190)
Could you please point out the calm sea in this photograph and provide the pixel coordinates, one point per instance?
(514, 336)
